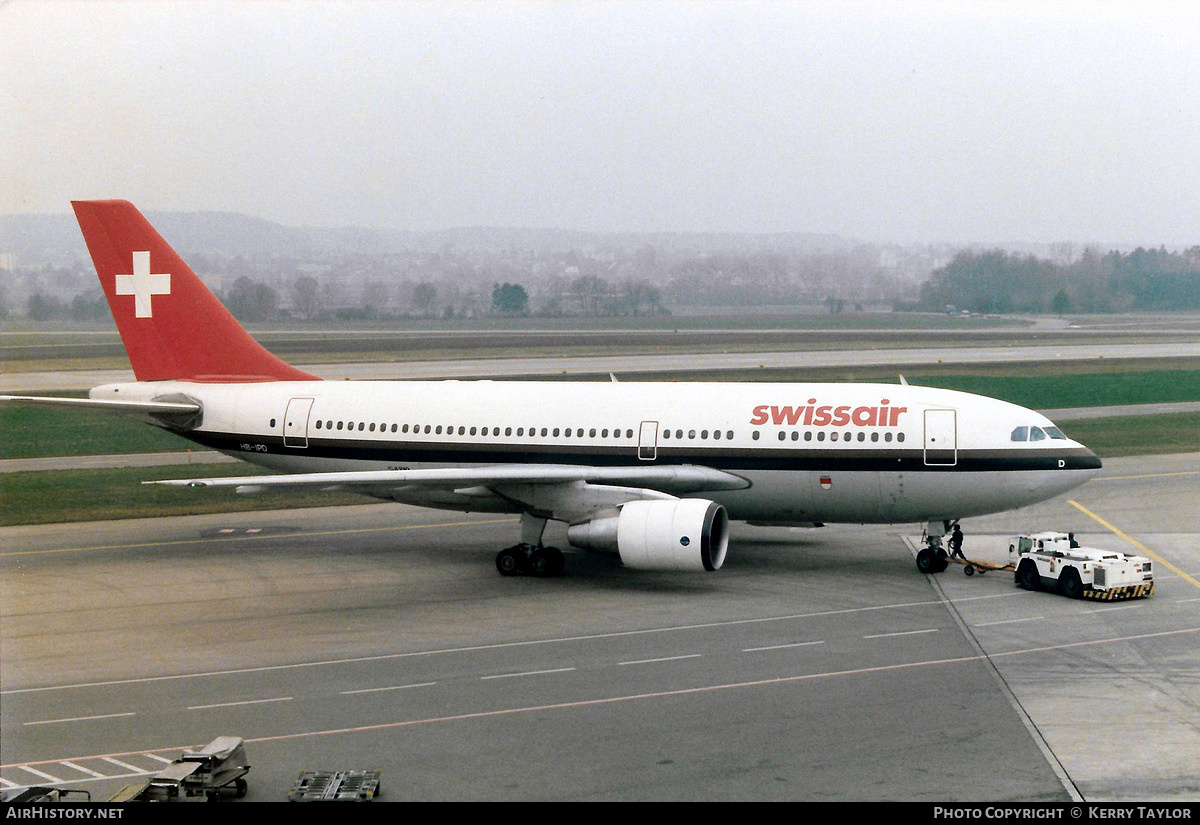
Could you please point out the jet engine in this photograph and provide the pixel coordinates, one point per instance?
(689, 534)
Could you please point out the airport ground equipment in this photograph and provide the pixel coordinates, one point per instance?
(219, 766)
(335, 786)
(40, 795)
(1048, 560)
(971, 566)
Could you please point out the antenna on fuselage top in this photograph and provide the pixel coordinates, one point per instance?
(903, 381)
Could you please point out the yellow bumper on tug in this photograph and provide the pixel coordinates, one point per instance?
(1133, 591)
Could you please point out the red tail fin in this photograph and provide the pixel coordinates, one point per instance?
(171, 324)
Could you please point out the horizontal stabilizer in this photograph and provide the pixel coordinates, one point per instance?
(157, 408)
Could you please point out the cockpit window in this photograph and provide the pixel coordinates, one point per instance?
(1020, 434)
(1036, 434)
(1055, 432)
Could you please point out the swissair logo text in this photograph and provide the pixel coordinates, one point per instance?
(829, 415)
(143, 284)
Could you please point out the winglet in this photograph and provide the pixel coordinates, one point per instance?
(172, 326)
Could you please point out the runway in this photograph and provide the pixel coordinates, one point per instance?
(628, 366)
(816, 665)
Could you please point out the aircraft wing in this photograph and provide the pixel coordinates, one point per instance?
(681, 478)
(557, 490)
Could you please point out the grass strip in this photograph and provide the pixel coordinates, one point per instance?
(52, 497)
(1137, 434)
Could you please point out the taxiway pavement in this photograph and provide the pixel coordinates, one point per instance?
(817, 665)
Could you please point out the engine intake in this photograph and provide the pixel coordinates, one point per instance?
(689, 534)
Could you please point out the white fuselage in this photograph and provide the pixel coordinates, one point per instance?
(812, 453)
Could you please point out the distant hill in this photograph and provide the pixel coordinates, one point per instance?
(34, 240)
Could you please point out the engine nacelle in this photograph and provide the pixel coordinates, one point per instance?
(684, 534)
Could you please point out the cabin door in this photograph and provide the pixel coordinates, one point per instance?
(295, 423)
(941, 437)
(648, 441)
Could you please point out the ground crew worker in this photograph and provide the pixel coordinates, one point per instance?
(956, 540)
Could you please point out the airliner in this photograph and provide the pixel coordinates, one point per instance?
(655, 473)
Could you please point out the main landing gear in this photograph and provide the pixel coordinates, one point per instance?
(534, 560)
(530, 557)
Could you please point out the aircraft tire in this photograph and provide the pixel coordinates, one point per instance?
(546, 561)
(926, 560)
(510, 561)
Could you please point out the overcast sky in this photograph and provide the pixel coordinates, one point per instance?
(905, 121)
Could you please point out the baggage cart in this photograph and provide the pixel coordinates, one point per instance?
(335, 786)
(220, 766)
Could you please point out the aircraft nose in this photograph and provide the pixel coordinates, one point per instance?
(1084, 459)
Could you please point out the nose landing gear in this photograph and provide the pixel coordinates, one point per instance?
(933, 558)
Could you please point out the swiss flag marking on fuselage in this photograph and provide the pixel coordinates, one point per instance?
(142, 284)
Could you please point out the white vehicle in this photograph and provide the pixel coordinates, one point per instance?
(1049, 560)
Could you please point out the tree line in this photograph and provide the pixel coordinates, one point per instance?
(1152, 280)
